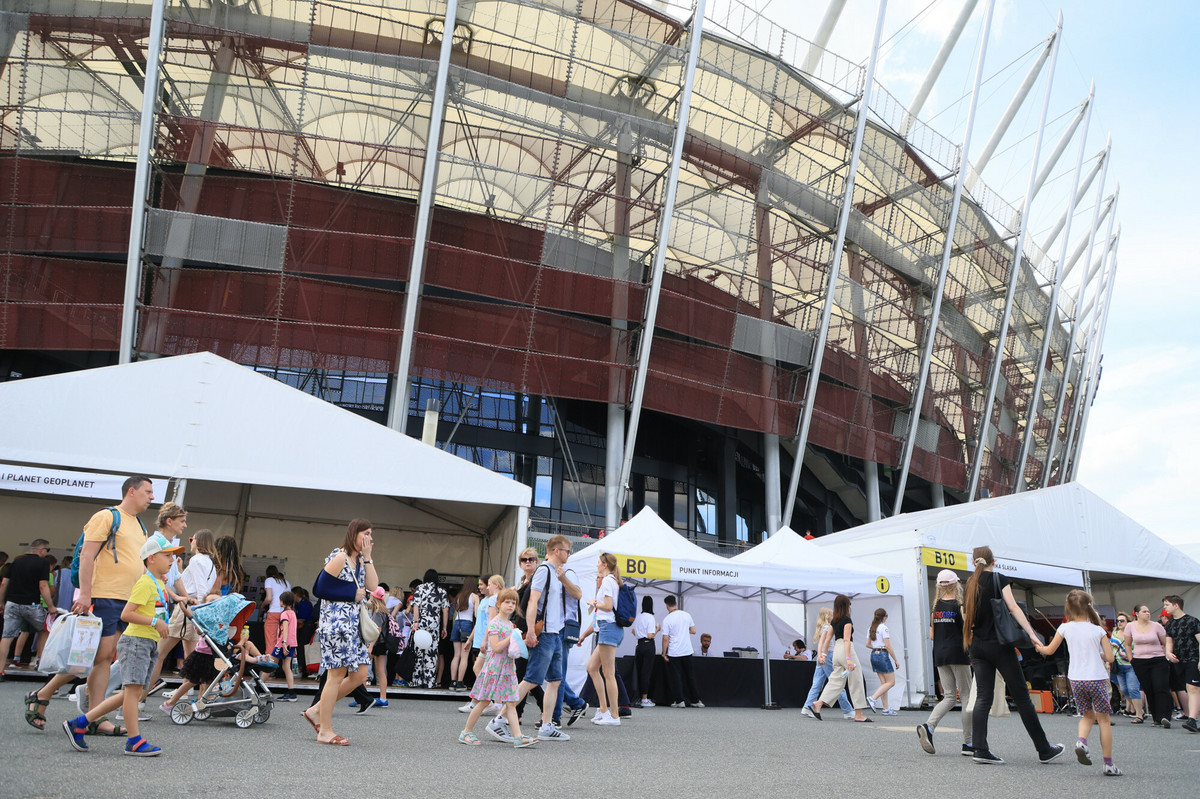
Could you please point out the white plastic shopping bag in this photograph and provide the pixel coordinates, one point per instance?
(71, 646)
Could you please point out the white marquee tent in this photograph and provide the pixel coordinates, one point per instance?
(726, 597)
(275, 466)
(1064, 536)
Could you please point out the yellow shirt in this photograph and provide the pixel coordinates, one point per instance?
(114, 580)
(146, 593)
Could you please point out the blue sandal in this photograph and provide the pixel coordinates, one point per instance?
(138, 747)
(75, 733)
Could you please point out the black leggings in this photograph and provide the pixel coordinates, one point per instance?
(987, 658)
(1154, 675)
(644, 664)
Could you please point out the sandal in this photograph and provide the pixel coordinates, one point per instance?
(1137, 720)
(864, 721)
(316, 727)
(117, 731)
(468, 738)
(524, 741)
(35, 715)
(336, 740)
(139, 747)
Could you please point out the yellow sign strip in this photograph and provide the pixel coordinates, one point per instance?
(945, 559)
(644, 568)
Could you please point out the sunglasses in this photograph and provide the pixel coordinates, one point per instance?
(529, 560)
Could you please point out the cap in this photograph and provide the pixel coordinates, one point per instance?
(946, 577)
(379, 593)
(158, 543)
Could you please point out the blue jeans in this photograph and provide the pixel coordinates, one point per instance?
(820, 677)
(564, 688)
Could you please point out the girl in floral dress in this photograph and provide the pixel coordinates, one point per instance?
(497, 682)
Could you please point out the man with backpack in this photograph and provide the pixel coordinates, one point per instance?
(109, 562)
(547, 614)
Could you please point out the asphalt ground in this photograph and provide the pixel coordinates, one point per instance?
(411, 749)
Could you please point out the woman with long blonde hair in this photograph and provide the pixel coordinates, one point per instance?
(823, 635)
(602, 665)
(989, 656)
(950, 659)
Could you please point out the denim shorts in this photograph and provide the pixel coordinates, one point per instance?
(23, 618)
(460, 631)
(1127, 681)
(881, 663)
(545, 660)
(137, 656)
(608, 633)
(109, 612)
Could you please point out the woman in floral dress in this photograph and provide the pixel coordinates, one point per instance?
(431, 608)
(344, 656)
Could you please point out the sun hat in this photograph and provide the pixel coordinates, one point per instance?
(946, 577)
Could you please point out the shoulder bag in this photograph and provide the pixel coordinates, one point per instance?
(1008, 631)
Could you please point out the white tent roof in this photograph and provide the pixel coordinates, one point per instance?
(820, 568)
(206, 418)
(1065, 526)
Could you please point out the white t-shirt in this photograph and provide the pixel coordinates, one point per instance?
(173, 573)
(277, 587)
(391, 602)
(608, 588)
(677, 627)
(881, 633)
(552, 597)
(643, 625)
(199, 576)
(1083, 646)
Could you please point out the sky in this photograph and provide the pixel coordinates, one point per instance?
(1144, 426)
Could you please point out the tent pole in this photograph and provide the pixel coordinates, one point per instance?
(926, 666)
(908, 683)
(769, 704)
(239, 530)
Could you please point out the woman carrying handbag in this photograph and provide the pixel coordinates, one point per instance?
(985, 624)
(349, 575)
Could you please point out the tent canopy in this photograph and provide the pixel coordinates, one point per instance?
(1066, 527)
(201, 417)
(821, 568)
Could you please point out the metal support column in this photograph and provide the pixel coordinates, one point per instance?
(646, 339)
(141, 183)
(398, 410)
(1014, 106)
(1094, 380)
(1018, 247)
(1083, 287)
(935, 314)
(835, 266)
(769, 703)
(1049, 325)
(824, 31)
(772, 475)
(939, 62)
(1082, 190)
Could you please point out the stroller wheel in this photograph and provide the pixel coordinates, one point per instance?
(263, 714)
(183, 712)
(245, 718)
(201, 715)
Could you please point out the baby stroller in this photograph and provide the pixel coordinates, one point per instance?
(238, 688)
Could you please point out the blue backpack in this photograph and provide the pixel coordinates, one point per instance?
(110, 542)
(626, 607)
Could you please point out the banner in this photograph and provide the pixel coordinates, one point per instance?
(961, 561)
(43, 480)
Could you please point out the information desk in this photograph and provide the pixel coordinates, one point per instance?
(730, 682)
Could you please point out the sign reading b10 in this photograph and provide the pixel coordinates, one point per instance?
(644, 568)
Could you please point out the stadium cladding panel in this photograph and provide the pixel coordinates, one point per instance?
(284, 204)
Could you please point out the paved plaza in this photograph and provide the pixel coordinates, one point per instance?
(410, 747)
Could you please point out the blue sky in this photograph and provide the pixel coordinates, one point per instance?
(1144, 430)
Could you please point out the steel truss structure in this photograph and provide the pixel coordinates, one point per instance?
(290, 194)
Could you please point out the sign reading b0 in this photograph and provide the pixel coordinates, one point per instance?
(882, 584)
(644, 568)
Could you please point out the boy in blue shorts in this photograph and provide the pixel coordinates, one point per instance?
(137, 649)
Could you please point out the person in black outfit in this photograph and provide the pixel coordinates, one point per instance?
(989, 656)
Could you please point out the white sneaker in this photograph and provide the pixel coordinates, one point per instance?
(647, 703)
(847, 716)
(491, 710)
(678, 704)
(698, 704)
(498, 729)
(548, 732)
(467, 708)
(609, 721)
(807, 711)
(599, 718)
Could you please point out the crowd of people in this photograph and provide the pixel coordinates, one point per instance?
(509, 643)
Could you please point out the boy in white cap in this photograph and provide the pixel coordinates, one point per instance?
(952, 662)
(137, 648)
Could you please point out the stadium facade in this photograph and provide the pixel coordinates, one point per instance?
(574, 220)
